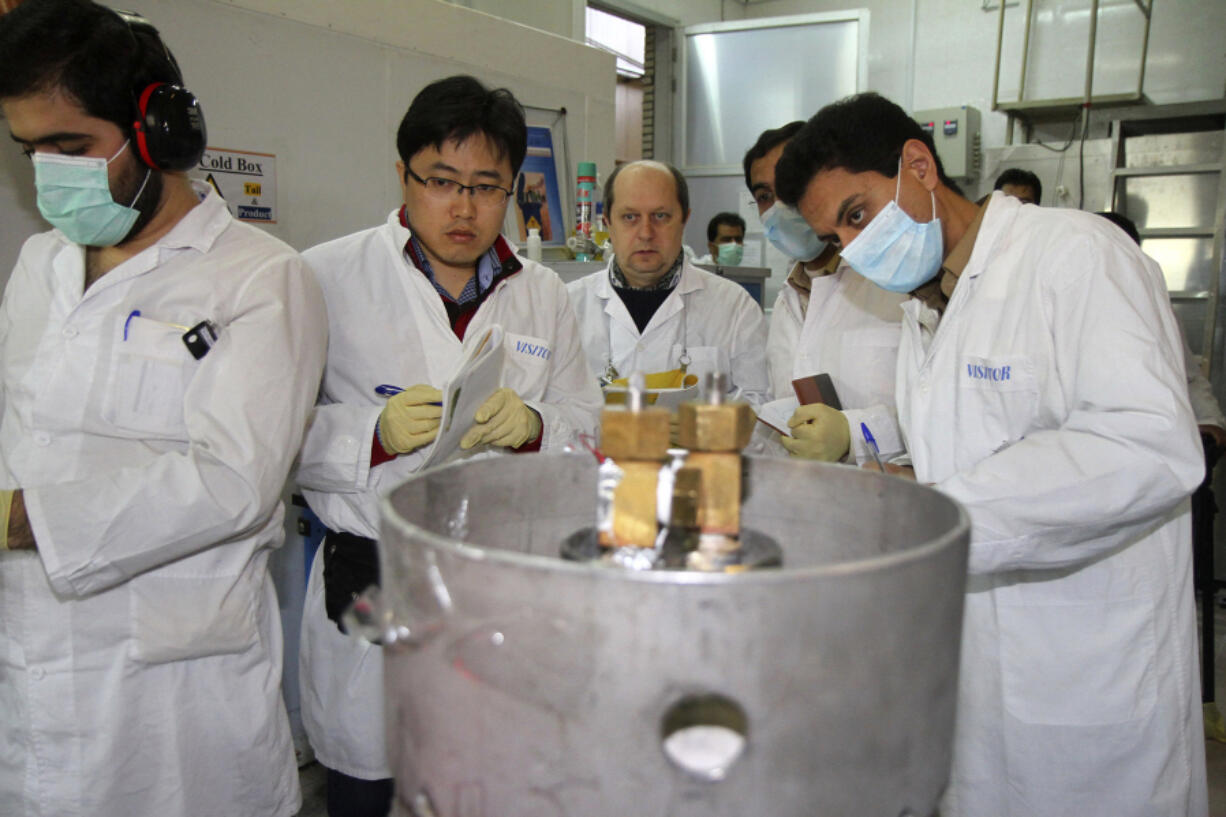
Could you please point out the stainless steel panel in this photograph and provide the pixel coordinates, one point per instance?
(1191, 317)
(1164, 150)
(1184, 200)
(1055, 170)
(1187, 263)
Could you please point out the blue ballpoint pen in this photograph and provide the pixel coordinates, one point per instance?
(387, 390)
(872, 446)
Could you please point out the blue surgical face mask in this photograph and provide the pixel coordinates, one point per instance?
(74, 194)
(730, 254)
(896, 252)
(790, 233)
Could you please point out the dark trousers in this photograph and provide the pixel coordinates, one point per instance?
(354, 797)
(1204, 508)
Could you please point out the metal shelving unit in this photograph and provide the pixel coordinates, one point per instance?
(1175, 121)
(1029, 111)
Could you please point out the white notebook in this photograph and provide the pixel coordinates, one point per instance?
(478, 376)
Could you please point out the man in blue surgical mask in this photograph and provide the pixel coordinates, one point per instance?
(1041, 384)
(827, 320)
(158, 362)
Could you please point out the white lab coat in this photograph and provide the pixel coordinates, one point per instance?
(851, 332)
(723, 326)
(140, 646)
(387, 324)
(1205, 406)
(1051, 402)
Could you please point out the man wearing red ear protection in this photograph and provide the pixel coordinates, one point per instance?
(142, 457)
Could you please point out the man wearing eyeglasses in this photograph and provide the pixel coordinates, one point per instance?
(406, 300)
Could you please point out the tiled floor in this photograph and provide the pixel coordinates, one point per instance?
(312, 776)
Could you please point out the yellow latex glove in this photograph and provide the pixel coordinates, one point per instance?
(818, 433)
(15, 533)
(6, 507)
(410, 419)
(503, 419)
(672, 379)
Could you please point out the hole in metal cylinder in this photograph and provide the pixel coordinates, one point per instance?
(705, 735)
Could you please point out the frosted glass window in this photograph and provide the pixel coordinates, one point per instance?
(625, 39)
(738, 83)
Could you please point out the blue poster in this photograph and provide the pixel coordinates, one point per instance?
(537, 203)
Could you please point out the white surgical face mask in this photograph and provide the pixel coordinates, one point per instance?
(788, 231)
(74, 194)
(896, 252)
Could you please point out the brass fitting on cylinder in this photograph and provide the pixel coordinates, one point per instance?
(715, 432)
(636, 439)
(634, 435)
(719, 427)
(719, 500)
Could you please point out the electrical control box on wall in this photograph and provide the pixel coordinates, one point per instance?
(955, 132)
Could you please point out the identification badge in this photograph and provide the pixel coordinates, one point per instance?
(200, 339)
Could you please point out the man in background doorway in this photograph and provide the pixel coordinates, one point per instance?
(1021, 184)
(725, 240)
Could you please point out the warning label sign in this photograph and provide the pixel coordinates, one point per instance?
(245, 179)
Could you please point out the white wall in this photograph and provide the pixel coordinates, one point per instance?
(323, 85)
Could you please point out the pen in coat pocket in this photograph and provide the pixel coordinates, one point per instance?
(135, 313)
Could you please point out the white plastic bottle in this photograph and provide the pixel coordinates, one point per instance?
(534, 244)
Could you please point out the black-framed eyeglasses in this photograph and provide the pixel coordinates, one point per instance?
(487, 195)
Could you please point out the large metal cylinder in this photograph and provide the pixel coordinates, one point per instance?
(522, 685)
